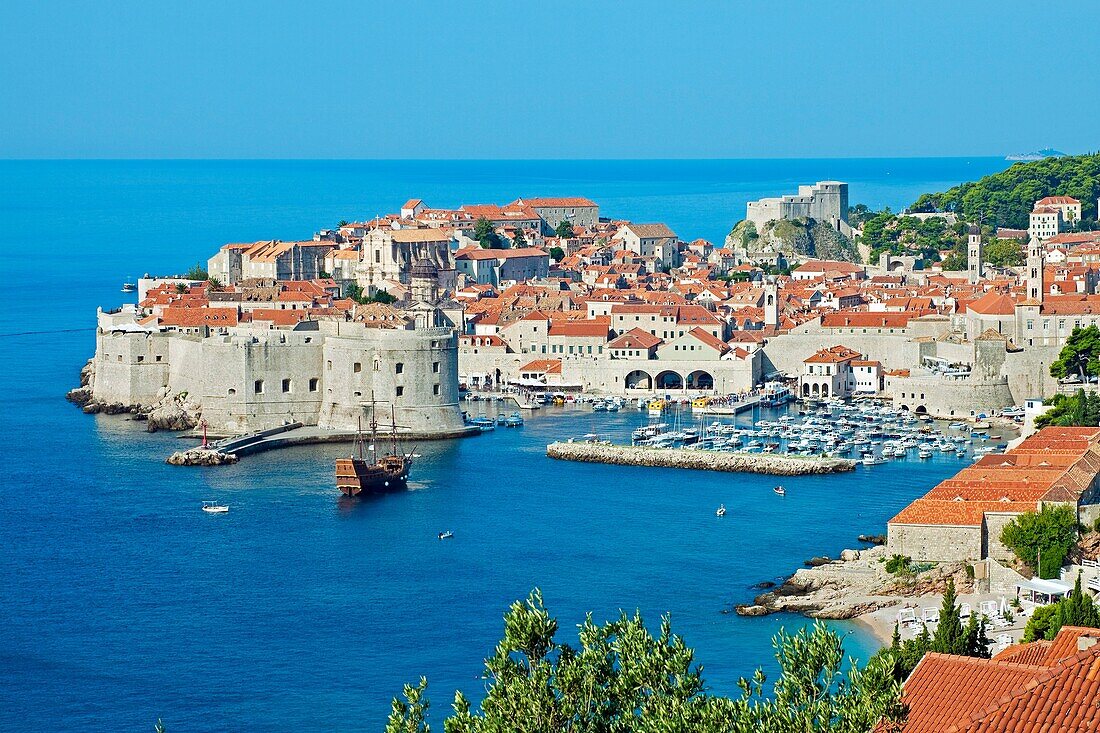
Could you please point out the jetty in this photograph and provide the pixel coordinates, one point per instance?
(766, 463)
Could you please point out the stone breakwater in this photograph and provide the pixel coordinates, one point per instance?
(622, 455)
(200, 457)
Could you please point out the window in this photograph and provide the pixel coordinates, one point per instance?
(141, 359)
(158, 357)
(286, 385)
(399, 367)
(400, 391)
(313, 382)
(377, 256)
(435, 367)
(357, 367)
(435, 389)
(232, 391)
(259, 386)
(328, 364)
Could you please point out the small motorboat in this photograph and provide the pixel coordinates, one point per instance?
(721, 510)
(446, 534)
(129, 288)
(780, 491)
(213, 507)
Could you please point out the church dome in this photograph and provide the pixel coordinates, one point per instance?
(424, 268)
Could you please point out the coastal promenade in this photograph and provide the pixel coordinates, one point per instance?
(764, 463)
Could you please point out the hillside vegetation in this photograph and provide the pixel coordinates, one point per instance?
(1006, 198)
(807, 237)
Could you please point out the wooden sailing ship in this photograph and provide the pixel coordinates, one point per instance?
(360, 476)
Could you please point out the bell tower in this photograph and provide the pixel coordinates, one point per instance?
(1035, 289)
(771, 303)
(975, 253)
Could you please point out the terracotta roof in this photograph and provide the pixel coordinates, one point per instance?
(651, 231)
(556, 203)
(544, 366)
(480, 253)
(993, 303)
(833, 355)
(596, 327)
(635, 338)
(1057, 201)
(420, 235)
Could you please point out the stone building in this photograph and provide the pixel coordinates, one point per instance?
(962, 517)
(824, 201)
(388, 255)
(576, 210)
(269, 260)
(324, 373)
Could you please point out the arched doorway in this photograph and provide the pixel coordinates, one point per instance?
(805, 389)
(921, 410)
(638, 379)
(700, 379)
(669, 380)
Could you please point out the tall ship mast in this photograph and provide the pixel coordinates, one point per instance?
(360, 476)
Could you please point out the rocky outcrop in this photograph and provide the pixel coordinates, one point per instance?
(855, 585)
(201, 457)
(767, 463)
(173, 413)
(801, 238)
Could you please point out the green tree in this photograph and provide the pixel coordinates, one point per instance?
(518, 240)
(1076, 609)
(197, 272)
(486, 235)
(1080, 409)
(1004, 253)
(1079, 355)
(557, 254)
(1053, 529)
(950, 637)
(1006, 198)
(343, 223)
(411, 714)
(1042, 618)
(624, 679)
(563, 230)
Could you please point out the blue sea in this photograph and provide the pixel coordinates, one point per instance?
(121, 602)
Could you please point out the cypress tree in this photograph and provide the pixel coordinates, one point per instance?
(950, 638)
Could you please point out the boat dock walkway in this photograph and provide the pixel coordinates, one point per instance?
(299, 434)
(733, 408)
(767, 463)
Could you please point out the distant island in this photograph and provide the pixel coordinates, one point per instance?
(1037, 155)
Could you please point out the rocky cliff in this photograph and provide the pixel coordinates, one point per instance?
(803, 238)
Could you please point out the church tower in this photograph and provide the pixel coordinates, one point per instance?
(1035, 290)
(771, 303)
(975, 253)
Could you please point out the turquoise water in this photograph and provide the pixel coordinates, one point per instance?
(121, 602)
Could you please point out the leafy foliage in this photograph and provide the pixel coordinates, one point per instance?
(623, 679)
(1004, 253)
(1076, 609)
(354, 291)
(557, 254)
(951, 637)
(1051, 530)
(1006, 198)
(486, 235)
(1076, 410)
(197, 272)
(518, 240)
(899, 235)
(1080, 355)
(897, 564)
(563, 230)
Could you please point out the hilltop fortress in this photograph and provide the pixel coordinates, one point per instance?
(825, 201)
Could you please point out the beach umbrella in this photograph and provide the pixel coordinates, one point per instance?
(1004, 605)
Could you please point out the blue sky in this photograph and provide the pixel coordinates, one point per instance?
(544, 79)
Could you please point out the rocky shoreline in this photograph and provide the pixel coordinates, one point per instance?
(854, 585)
(170, 412)
(765, 463)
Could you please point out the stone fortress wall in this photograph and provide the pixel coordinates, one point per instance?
(249, 380)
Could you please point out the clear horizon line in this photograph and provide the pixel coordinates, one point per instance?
(91, 159)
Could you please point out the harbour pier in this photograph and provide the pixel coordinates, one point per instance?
(766, 463)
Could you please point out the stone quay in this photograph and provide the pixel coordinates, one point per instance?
(765, 463)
